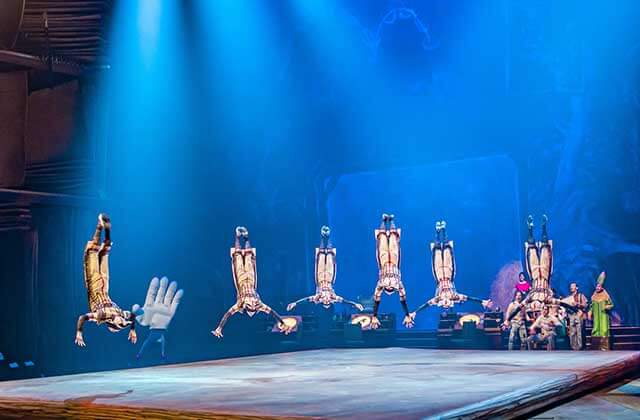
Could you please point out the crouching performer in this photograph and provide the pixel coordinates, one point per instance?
(243, 268)
(547, 324)
(443, 266)
(325, 276)
(102, 310)
(389, 277)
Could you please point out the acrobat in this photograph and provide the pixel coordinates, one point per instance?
(443, 266)
(389, 276)
(102, 310)
(245, 278)
(325, 276)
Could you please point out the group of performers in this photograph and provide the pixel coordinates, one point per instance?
(537, 316)
(534, 303)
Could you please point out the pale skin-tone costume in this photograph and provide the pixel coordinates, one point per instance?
(325, 276)
(517, 323)
(539, 264)
(443, 267)
(601, 304)
(102, 310)
(547, 324)
(243, 268)
(389, 276)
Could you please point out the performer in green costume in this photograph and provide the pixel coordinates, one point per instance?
(601, 304)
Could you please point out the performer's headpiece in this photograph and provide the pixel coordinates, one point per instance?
(601, 278)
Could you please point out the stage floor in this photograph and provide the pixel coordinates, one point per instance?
(334, 383)
(618, 403)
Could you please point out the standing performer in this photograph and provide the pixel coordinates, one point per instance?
(539, 263)
(245, 278)
(160, 306)
(522, 285)
(517, 322)
(575, 304)
(96, 279)
(443, 266)
(547, 324)
(325, 276)
(601, 304)
(389, 277)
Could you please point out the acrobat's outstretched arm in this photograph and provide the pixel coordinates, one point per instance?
(408, 318)
(356, 305)
(377, 295)
(281, 324)
(304, 299)
(133, 337)
(81, 320)
(486, 303)
(425, 305)
(230, 312)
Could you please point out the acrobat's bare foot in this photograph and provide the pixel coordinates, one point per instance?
(217, 332)
(104, 221)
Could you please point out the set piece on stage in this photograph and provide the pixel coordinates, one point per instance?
(245, 278)
(443, 266)
(389, 276)
(102, 310)
(325, 276)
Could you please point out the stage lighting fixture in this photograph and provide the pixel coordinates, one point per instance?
(475, 318)
(14, 365)
(290, 321)
(363, 320)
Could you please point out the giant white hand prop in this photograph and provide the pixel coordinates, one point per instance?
(160, 305)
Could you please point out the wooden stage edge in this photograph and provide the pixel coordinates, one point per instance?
(535, 398)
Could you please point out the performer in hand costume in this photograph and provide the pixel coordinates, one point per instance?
(601, 304)
(389, 277)
(325, 276)
(443, 266)
(102, 310)
(516, 323)
(547, 324)
(539, 263)
(160, 306)
(245, 278)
